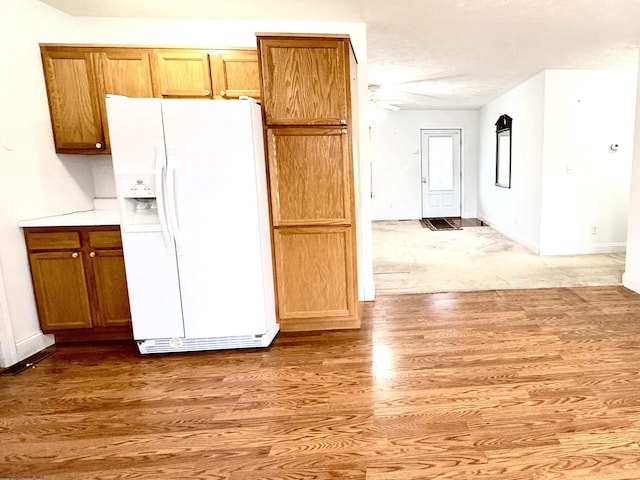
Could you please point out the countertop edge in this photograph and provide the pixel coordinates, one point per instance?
(83, 218)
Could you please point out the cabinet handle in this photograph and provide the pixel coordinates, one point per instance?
(75, 255)
(207, 92)
(98, 145)
(92, 254)
(343, 121)
(222, 93)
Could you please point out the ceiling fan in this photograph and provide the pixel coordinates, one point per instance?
(376, 101)
(412, 88)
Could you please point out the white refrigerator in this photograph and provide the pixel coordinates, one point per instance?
(192, 193)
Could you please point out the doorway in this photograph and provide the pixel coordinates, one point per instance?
(441, 173)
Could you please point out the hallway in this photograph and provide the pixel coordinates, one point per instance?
(408, 258)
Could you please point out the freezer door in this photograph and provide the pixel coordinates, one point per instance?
(152, 280)
(135, 130)
(139, 161)
(212, 151)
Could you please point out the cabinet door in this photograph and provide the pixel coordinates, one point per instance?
(235, 73)
(125, 71)
(181, 73)
(60, 289)
(112, 299)
(315, 277)
(304, 81)
(73, 100)
(310, 176)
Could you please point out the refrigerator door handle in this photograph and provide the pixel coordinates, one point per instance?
(171, 198)
(160, 164)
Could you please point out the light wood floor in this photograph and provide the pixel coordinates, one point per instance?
(508, 385)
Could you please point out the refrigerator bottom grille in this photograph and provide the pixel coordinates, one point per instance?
(173, 345)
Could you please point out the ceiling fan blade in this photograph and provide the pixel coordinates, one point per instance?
(388, 106)
(431, 79)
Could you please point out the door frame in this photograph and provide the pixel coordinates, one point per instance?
(459, 131)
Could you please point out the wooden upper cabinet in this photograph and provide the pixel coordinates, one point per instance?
(79, 77)
(304, 81)
(310, 175)
(235, 73)
(181, 73)
(72, 88)
(124, 71)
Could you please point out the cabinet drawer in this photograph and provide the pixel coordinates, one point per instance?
(50, 241)
(105, 239)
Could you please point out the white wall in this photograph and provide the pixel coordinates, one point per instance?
(516, 211)
(585, 184)
(396, 160)
(37, 182)
(566, 182)
(631, 276)
(34, 181)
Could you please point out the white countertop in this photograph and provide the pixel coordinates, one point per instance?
(75, 219)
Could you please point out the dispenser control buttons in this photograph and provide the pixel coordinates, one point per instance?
(140, 188)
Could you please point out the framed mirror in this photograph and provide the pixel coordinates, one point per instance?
(503, 151)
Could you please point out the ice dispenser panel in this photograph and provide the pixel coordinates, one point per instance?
(136, 185)
(137, 202)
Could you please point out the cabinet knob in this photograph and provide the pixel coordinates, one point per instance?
(98, 145)
(222, 93)
(343, 121)
(207, 92)
(344, 130)
(92, 254)
(75, 255)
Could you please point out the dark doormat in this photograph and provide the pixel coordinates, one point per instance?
(438, 224)
(27, 362)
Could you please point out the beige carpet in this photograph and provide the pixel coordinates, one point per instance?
(408, 258)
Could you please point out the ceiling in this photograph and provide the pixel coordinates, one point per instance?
(445, 54)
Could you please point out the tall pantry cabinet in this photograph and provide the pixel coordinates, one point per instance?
(308, 90)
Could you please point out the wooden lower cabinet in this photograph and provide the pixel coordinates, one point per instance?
(61, 290)
(315, 278)
(79, 282)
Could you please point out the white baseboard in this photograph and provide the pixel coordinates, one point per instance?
(585, 249)
(572, 249)
(33, 344)
(631, 282)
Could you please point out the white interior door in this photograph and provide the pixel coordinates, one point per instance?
(440, 173)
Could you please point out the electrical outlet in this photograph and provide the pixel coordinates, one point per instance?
(594, 230)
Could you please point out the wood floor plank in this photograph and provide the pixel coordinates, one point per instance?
(510, 385)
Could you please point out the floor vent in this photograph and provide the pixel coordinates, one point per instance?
(173, 345)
